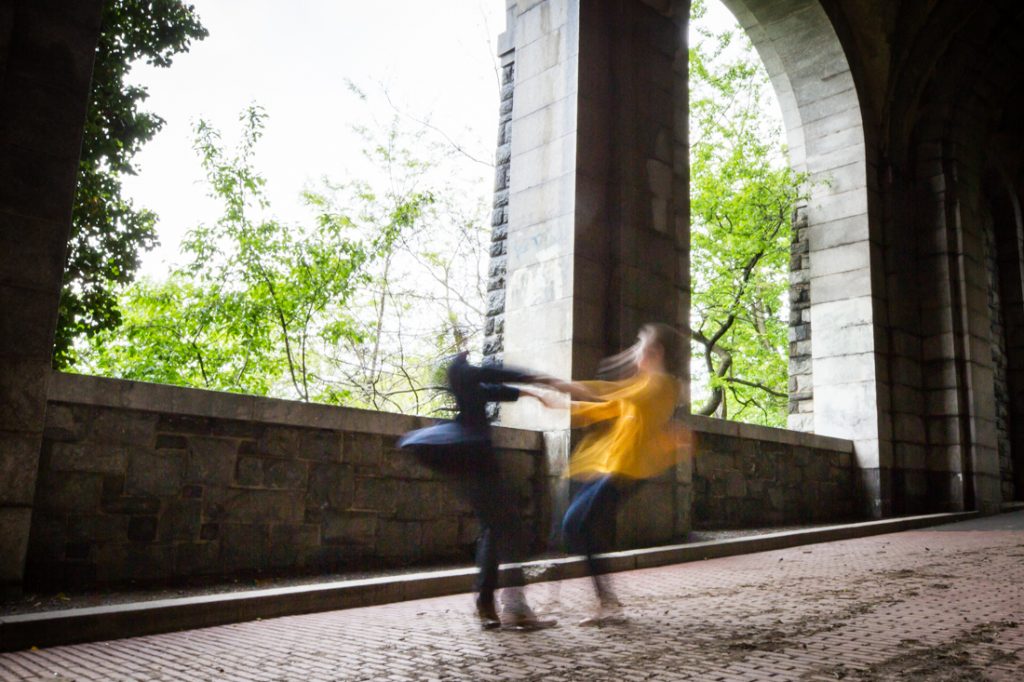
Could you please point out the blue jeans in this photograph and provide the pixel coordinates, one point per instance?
(588, 525)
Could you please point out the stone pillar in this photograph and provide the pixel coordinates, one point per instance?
(801, 378)
(999, 356)
(598, 238)
(846, 286)
(494, 327)
(959, 379)
(1008, 285)
(46, 55)
(598, 208)
(972, 330)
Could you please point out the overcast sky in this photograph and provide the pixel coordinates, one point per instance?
(436, 59)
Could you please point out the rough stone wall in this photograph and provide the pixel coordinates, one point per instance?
(999, 363)
(750, 476)
(801, 379)
(159, 484)
(824, 118)
(149, 483)
(494, 327)
(46, 55)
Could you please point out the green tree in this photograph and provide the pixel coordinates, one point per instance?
(107, 229)
(356, 307)
(742, 195)
(425, 289)
(188, 333)
(246, 310)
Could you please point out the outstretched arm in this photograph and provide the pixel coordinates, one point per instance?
(546, 398)
(576, 390)
(503, 375)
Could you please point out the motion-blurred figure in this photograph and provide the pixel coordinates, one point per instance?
(633, 438)
(462, 449)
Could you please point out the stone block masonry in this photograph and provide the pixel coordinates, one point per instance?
(494, 325)
(752, 476)
(142, 483)
(801, 388)
(145, 483)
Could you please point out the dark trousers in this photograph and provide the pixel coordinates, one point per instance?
(502, 536)
(589, 523)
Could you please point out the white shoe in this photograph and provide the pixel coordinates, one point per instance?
(606, 614)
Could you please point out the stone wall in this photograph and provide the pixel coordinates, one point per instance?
(752, 476)
(1000, 379)
(159, 484)
(147, 483)
(801, 380)
(46, 55)
(494, 326)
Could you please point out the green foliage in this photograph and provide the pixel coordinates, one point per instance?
(742, 196)
(354, 308)
(187, 333)
(244, 311)
(107, 230)
(424, 294)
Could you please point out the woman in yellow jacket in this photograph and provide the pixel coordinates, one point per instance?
(633, 438)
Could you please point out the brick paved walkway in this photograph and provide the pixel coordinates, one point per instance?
(922, 605)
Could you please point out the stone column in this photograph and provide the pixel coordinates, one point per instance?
(971, 330)
(46, 56)
(598, 240)
(845, 280)
(956, 333)
(494, 328)
(598, 229)
(1008, 267)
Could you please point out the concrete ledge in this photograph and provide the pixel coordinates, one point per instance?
(55, 628)
(168, 615)
(768, 434)
(79, 389)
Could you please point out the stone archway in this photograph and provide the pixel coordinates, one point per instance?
(836, 352)
(598, 228)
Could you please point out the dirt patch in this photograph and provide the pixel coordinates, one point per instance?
(951, 661)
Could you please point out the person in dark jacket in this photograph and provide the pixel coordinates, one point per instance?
(462, 449)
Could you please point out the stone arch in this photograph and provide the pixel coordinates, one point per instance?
(598, 236)
(952, 163)
(837, 379)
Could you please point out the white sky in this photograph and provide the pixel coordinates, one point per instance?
(436, 59)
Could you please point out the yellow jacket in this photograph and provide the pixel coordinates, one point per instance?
(634, 438)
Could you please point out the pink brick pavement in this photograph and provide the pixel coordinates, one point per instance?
(916, 605)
